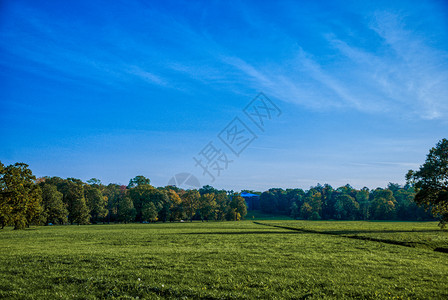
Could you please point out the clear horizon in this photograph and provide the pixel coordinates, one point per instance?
(357, 92)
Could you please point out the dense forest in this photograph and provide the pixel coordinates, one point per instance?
(27, 200)
(345, 203)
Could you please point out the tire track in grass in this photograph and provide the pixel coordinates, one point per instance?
(357, 237)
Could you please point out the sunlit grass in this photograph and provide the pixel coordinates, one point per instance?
(215, 260)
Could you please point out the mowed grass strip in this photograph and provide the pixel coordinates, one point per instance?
(215, 260)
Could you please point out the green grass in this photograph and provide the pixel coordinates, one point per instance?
(255, 215)
(412, 234)
(218, 260)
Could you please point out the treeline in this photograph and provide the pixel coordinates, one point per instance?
(25, 200)
(345, 203)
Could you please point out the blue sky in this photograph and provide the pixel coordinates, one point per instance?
(115, 89)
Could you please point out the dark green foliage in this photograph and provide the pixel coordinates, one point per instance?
(54, 209)
(149, 212)
(138, 181)
(207, 206)
(81, 203)
(126, 212)
(222, 205)
(73, 196)
(190, 201)
(269, 202)
(295, 213)
(238, 207)
(20, 196)
(346, 208)
(96, 203)
(141, 195)
(431, 182)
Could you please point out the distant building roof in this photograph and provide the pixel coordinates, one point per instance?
(244, 194)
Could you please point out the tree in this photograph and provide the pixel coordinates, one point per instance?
(115, 194)
(328, 201)
(149, 212)
(207, 189)
(295, 213)
(305, 211)
(346, 207)
(362, 197)
(164, 204)
(140, 195)
(207, 206)
(176, 209)
(313, 198)
(238, 204)
(138, 181)
(73, 196)
(96, 203)
(268, 202)
(382, 209)
(383, 205)
(315, 216)
(54, 209)
(222, 205)
(20, 197)
(94, 182)
(431, 182)
(190, 203)
(127, 212)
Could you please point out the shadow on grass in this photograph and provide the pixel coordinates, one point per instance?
(242, 232)
(342, 232)
(352, 235)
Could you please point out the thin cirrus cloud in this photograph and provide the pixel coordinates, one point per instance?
(406, 75)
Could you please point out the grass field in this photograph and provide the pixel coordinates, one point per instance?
(225, 260)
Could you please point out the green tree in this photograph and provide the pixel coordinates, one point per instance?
(95, 182)
(207, 206)
(176, 209)
(431, 182)
(382, 209)
(305, 211)
(141, 195)
(54, 209)
(295, 212)
(20, 197)
(126, 212)
(138, 181)
(347, 208)
(96, 203)
(328, 201)
(239, 205)
(315, 216)
(383, 205)
(73, 196)
(268, 202)
(207, 189)
(222, 205)
(190, 202)
(314, 199)
(149, 212)
(362, 197)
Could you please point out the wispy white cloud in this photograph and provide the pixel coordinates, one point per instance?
(416, 73)
(146, 76)
(403, 74)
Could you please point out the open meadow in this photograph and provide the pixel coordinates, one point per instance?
(226, 260)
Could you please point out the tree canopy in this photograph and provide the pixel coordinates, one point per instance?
(25, 200)
(431, 182)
